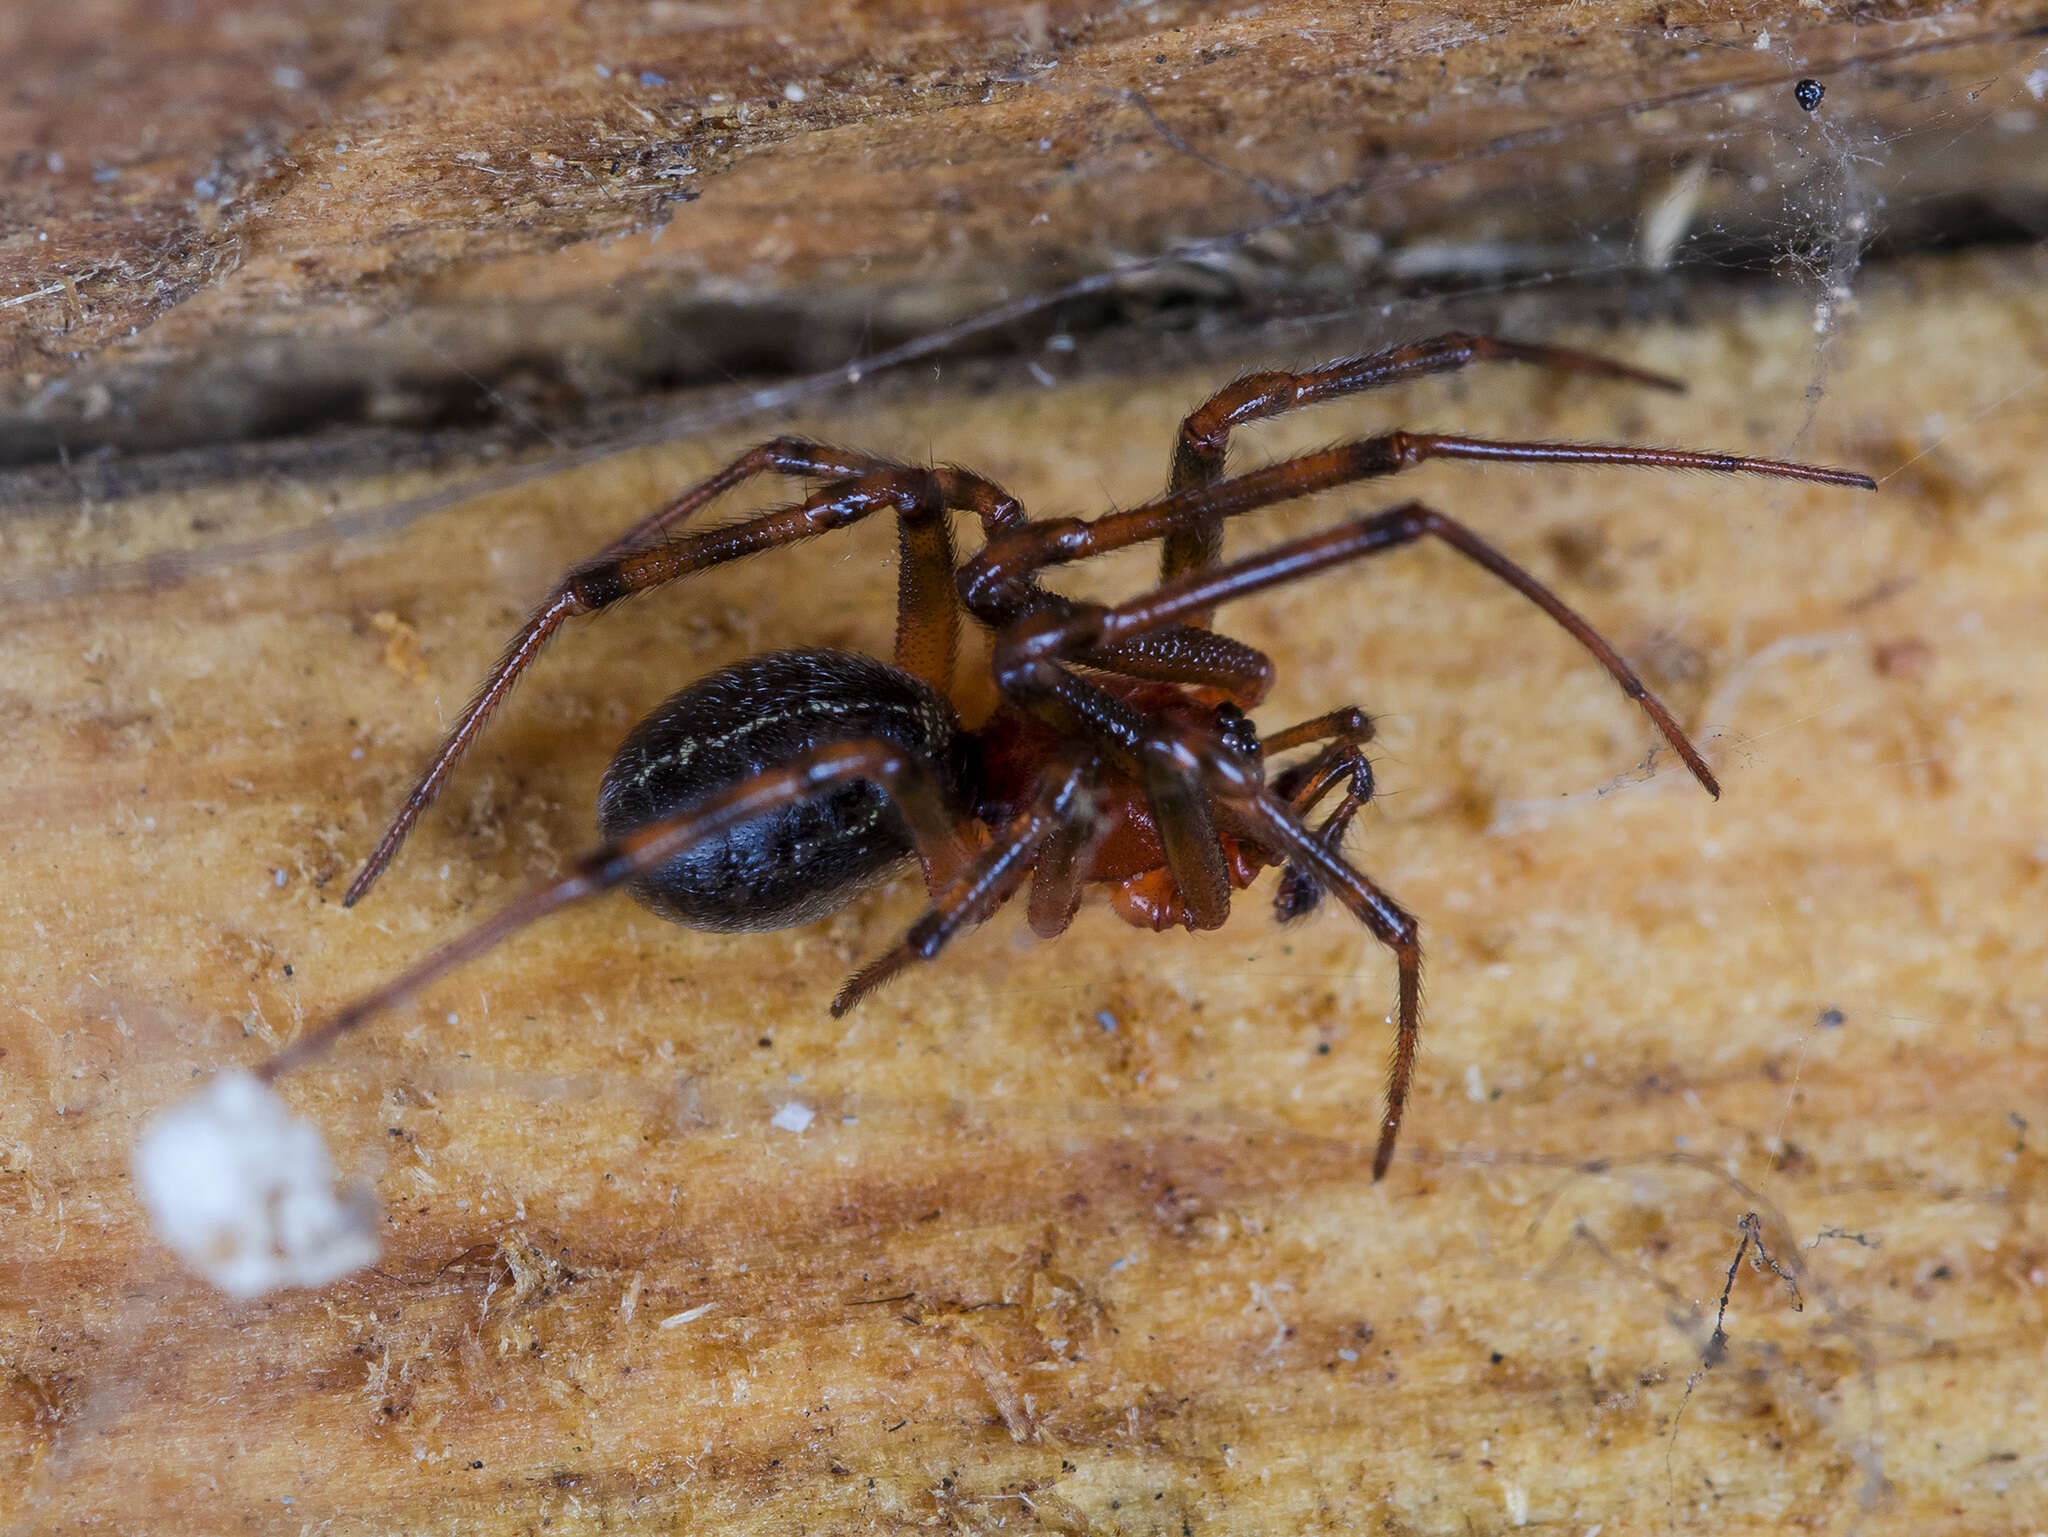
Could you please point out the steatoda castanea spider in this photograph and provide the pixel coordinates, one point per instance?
(769, 793)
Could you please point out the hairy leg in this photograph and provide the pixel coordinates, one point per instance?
(1203, 443)
(1038, 642)
(906, 781)
(927, 628)
(995, 585)
(986, 885)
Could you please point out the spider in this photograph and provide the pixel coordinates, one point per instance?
(771, 792)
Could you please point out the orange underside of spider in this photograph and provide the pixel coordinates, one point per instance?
(1131, 858)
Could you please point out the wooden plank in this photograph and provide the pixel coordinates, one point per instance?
(220, 228)
(1081, 1238)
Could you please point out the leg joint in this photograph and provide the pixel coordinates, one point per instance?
(598, 586)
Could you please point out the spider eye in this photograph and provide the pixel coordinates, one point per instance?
(1236, 729)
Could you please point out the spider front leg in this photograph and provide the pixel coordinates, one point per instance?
(928, 621)
(1207, 771)
(1199, 591)
(1203, 444)
(998, 584)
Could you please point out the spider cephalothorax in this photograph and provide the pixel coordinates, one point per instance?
(773, 791)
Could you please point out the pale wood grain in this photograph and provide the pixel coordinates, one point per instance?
(1026, 1272)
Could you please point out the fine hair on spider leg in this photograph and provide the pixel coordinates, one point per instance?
(1119, 753)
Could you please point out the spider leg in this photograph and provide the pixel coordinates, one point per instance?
(785, 456)
(928, 627)
(1065, 862)
(1204, 440)
(1391, 924)
(995, 584)
(781, 456)
(1162, 760)
(1297, 894)
(986, 885)
(1182, 765)
(1297, 558)
(927, 604)
(1184, 654)
(1349, 725)
(902, 778)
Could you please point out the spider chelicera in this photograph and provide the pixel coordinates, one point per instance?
(771, 792)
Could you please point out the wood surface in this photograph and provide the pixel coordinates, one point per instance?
(220, 220)
(1082, 1238)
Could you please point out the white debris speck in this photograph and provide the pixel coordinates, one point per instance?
(793, 92)
(244, 1192)
(1763, 45)
(687, 1316)
(2037, 85)
(794, 1116)
(1475, 1086)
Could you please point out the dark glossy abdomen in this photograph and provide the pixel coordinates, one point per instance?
(809, 858)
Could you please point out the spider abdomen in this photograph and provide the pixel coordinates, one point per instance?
(806, 859)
